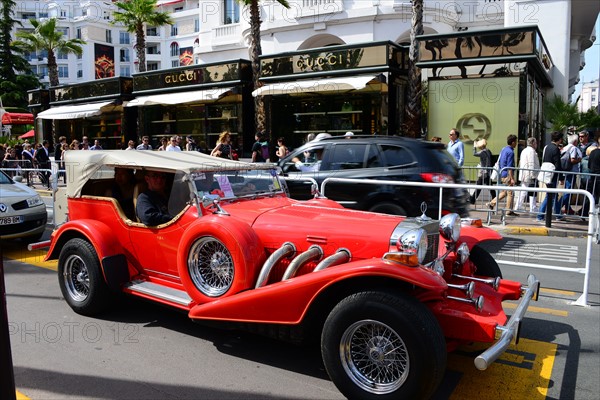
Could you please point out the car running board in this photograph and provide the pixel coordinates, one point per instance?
(160, 292)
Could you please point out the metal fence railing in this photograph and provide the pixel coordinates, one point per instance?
(593, 229)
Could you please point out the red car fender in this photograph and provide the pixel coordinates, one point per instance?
(97, 233)
(472, 235)
(243, 243)
(287, 302)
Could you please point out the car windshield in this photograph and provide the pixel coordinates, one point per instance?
(4, 179)
(228, 184)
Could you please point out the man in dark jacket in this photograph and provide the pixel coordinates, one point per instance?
(42, 156)
(151, 208)
(552, 155)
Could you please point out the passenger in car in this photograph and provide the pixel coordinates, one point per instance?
(122, 190)
(151, 208)
(309, 168)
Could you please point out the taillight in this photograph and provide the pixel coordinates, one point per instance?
(437, 178)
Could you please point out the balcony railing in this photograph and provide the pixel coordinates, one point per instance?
(226, 34)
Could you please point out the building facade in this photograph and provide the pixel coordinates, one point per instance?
(588, 98)
(205, 32)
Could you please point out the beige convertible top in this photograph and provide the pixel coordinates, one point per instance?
(82, 165)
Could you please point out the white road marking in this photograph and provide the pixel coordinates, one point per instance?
(517, 251)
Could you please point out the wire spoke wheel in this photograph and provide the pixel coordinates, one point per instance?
(76, 278)
(210, 265)
(374, 356)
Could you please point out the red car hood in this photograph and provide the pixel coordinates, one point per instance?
(315, 222)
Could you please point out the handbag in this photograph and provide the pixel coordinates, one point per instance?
(546, 172)
(494, 176)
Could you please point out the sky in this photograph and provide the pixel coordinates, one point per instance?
(591, 70)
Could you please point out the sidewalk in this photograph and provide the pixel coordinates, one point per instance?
(526, 224)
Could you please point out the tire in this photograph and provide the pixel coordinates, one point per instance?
(356, 341)
(485, 264)
(388, 208)
(80, 278)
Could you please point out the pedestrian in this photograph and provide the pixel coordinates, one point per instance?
(456, 148)
(570, 159)
(164, 142)
(260, 148)
(551, 155)
(130, 145)
(42, 156)
(529, 164)
(145, 145)
(506, 164)
(282, 150)
(484, 173)
(190, 144)
(96, 145)
(223, 147)
(173, 144)
(85, 143)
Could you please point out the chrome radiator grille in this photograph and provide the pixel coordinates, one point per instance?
(433, 235)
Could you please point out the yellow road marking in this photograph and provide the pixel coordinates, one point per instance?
(558, 291)
(524, 371)
(541, 310)
(35, 257)
(21, 396)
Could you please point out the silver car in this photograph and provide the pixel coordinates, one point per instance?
(22, 211)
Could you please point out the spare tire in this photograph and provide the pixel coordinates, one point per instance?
(218, 256)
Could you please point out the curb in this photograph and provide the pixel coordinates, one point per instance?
(541, 231)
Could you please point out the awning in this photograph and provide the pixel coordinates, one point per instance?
(9, 118)
(73, 112)
(28, 134)
(179, 97)
(315, 85)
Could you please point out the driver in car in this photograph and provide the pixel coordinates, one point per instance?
(151, 208)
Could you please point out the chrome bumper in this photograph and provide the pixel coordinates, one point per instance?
(509, 331)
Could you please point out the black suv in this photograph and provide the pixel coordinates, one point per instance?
(377, 157)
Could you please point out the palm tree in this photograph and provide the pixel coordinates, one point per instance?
(413, 106)
(134, 14)
(45, 37)
(255, 53)
(561, 114)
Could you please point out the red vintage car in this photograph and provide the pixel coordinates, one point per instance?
(388, 296)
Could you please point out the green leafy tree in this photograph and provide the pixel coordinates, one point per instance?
(255, 53)
(135, 15)
(412, 125)
(16, 77)
(561, 114)
(45, 37)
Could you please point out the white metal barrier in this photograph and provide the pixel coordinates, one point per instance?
(593, 233)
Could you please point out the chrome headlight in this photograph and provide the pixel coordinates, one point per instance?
(410, 249)
(463, 253)
(34, 201)
(450, 227)
(414, 241)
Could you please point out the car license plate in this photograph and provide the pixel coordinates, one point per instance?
(11, 220)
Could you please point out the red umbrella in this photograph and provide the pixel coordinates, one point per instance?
(26, 135)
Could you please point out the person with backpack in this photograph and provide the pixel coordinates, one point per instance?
(570, 159)
(260, 148)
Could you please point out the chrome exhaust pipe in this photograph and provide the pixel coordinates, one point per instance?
(493, 282)
(468, 288)
(477, 302)
(339, 257)
(286, 250)
(314, 252)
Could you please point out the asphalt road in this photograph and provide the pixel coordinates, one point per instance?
(141, 350)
